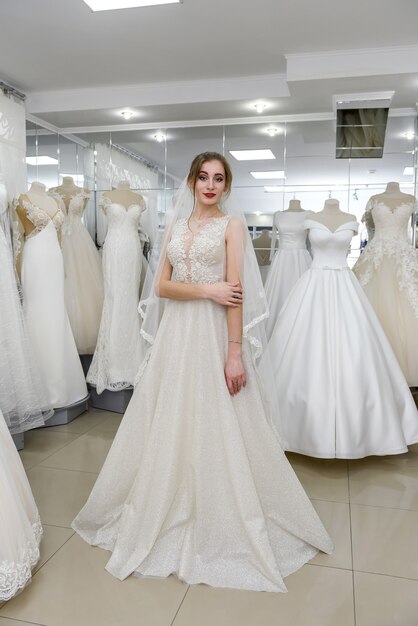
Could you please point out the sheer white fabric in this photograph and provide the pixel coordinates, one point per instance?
(23, 398)
(83, 283)
(196, 482)
(117, 357)
(340, 390)
(20, 526)
(44, 308)
(388, 272)
(289, 263)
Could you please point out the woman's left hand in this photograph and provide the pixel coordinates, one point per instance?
(235, 375)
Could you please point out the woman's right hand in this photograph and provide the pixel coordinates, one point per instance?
(228, 294)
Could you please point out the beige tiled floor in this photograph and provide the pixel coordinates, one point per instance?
(369, 507)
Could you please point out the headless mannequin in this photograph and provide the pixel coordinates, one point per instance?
(38, 196)
(331, 215)
(123, 195)
(68, 190)
(294, 206)
(393, 196)
(262, 245)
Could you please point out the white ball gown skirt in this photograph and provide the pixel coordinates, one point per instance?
(20, 526)
(47, 320)
(23, 398)
(287, 267)
(83, 284)
(196, 482)
(340, 390)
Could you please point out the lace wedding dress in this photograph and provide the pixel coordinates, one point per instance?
(289, 263)
(388, 272)
(20, 526)
(116, 359)
(83, 284)
(196, 482)
(23, 398)
(44, 308)
(340, 390)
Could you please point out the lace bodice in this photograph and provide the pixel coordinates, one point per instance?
(40, 218)
(291, 230)
(198, 257)
(390, 223)
(74, 212)
(329, 248)
(119, 217)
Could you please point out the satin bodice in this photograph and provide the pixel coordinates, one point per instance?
(390, 223)
(329, 248)
(291, 230)
(198, 257)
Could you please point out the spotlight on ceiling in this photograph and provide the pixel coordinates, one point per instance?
(272, 131)
(409, 134)
(159, 137)
(127, 114)
(260, 106)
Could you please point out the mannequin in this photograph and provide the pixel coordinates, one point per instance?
(294, 205)
(393, 196)
(69, 189)
(262, 245)
(331, 215)
(38, 196)
(123, 195)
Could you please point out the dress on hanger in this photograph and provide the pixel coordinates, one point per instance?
(388, 272)
(83, 285)
(116, 359)
(289, 263)
(44, 308)
(20, 526)
(197, 484)
(340, 390)
(23, 397)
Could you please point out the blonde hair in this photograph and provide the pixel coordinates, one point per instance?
(203, 157)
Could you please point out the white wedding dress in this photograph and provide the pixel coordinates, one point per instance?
(340, 390)
(289, 263)
(23, 398)
(116, 359)
(196, 482)
(44, 308)
(20, 526)
(388, 272)
(83, 286)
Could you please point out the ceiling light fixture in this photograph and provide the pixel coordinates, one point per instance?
(110, 5)
(159, 137)
(267, 175)
(273, 131)
(260, 106)
(41, 160)
(251, 155)
(408, 171)
(409, 134)
(127, 114)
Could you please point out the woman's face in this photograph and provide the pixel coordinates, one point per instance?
(210, 184)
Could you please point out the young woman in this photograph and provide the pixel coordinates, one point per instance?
(196, 482)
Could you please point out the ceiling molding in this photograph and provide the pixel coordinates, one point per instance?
(352, 63)
(152, 94)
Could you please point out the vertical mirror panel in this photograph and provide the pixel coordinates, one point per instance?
(42, 155)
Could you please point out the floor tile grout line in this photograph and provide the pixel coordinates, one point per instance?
(351, 544)
(19, 621)
(52, 555)
(66, 469)
(58, 450)
(363, 571)
(180, 605)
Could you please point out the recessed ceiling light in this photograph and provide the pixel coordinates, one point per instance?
(260, 106)
(267, 175)
(409, 134)
(109, 5)
(41, 160)
(252, 155)
(408, 171)
(257, 212)
(273, 131)
(127, 114)
(159, 137)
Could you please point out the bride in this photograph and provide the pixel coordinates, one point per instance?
(196, 483)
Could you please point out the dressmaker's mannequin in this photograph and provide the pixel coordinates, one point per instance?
(294, 205)
(331, 215)
(38, 196)
(123, 195)
(262, 245)
(69, 189)
(393, 196)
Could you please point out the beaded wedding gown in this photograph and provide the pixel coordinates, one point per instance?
(20, 526)
(23, 397)
(289, 263)
(44, 308)
(83, 283)
(340, 390)
(117, 358)
(388, 272)
(196, 483)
